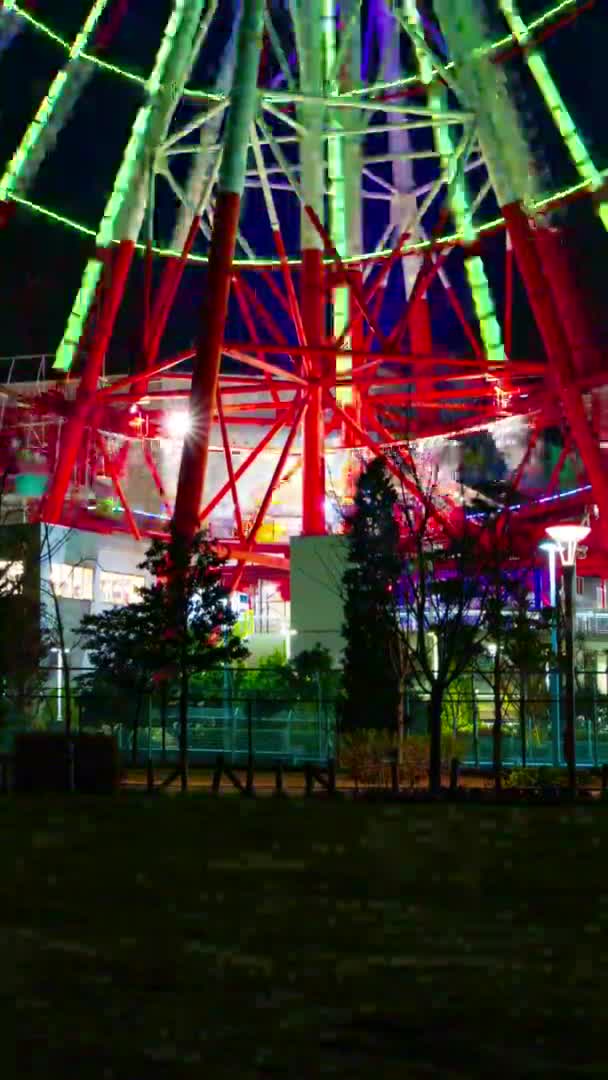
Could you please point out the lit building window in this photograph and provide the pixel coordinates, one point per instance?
(120, 588)
(72, 582)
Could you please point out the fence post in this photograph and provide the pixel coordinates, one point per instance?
(594, 724)
(475, 732)
(250, 788)
(71, 764)
(288, 723)
(454, 769)
(149, 766)
(321, 754)
(233, 730)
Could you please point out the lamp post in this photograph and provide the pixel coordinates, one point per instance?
(552, 549)
(59, 670)
(567, 538)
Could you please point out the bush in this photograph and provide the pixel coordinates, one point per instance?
(451, 747)
(415, 759)
(540, 777)
(43, 763)
(96, 764)
(364, 754)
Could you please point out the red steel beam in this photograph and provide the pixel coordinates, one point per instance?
(549, 320)
(249, 460)
(71, 439)
(313, 465)
(276, 476)
(238, 519)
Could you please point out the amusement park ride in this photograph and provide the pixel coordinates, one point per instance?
(356, 175)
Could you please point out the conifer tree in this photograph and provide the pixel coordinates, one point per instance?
(181, 626)
(373, 695)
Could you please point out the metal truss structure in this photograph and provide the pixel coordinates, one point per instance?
(345, 185)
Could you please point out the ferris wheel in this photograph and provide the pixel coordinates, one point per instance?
(342, 182)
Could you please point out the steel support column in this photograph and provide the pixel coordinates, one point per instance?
(71, 437)
(205, 376)
(313, 465)
(310, 29)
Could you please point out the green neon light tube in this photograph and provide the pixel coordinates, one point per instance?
(562, 118)
(336, 193)
(501, 43)
(361, 257)
(36, 131)
(483, 302)
(122, 186)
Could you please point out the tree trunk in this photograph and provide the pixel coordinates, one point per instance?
(523, 703)
(134, 746)
(497, 725)
(183, 728)
(400, 722)
(67, 688)
(164, 701)
(435, 705)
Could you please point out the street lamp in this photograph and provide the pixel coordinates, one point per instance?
(567, 538)
(59, 670)
(551, 548)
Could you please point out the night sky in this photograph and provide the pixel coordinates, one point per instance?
(42, 263)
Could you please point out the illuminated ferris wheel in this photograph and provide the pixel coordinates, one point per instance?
(346, 178)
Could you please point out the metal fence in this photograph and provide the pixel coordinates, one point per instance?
(267, 729)
(282, 722)
(270, 728)
(534, 735)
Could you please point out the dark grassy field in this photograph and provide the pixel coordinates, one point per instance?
(240, 938)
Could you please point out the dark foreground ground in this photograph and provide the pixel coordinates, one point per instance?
(153, 937)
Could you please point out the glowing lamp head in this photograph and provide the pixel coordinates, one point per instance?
(567, 538)
(178, 425)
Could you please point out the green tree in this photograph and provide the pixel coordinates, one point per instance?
(521, 650)
(24, 644)
(313, 669)
(124, 654)
(518, 638)
(373, 675)
(442, 596)
(182, 625)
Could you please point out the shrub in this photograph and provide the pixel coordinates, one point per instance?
(363, 754)
(42, 762)
(415, 759)
(540, 777)
(451, 747)
(96, 764)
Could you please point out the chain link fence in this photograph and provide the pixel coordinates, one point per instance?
(532, 728)
(279, 721)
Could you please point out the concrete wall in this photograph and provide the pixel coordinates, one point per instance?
(317, 569)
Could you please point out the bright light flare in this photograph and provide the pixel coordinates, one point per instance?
(178, 425)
